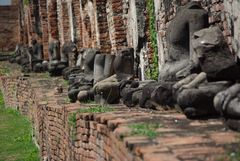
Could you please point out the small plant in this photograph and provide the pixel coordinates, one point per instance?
(1, 100)
(89, 102)
(232, 154)
(72, 119)
(45, 75)
(96, 109)
(145, 129)
(65, 83)
(67, 100)
(72, 122)
(26, 2)
(153, 70)
(4, 71)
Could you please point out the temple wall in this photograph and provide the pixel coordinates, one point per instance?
(111, 25)
(232, 9)
(9, 26)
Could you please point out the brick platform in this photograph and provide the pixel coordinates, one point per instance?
(107, 136)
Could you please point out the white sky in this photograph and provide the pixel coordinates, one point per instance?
(5, 2)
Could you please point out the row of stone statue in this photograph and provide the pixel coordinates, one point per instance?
(31, 58)
(207, 87)
(200, 74)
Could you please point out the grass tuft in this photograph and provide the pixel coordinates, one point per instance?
(145, 129)
(72, 123)
(96, 109)
(232, 155)
(4, 71)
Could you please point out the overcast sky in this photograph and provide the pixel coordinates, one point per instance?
(5, 2)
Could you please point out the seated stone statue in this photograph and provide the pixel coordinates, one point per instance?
(55, 67)
(103, 68)
(83, 80)
(30, 58)
(25, 60)
(227, 103)
(69, 56)
(131, 91)
(23, 57)
(213, 55)
(157, 94)
(189, 19)
(76, 64)
(17, 54)
(37, 56)
(107, 90)
(195, 93)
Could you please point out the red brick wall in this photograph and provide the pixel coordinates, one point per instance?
(9, 27)
(103, 24)
(117, 27)
(65, 22)
(8, 85)
(105, 44)
(88, 17)
(44, 24)
(77, 22)
(52, 19)
(94, 137)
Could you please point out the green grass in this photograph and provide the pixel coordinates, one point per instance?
(72, 123)
(96, 109)
(72, 119)
(4, 71)
(26, 2)
(65, 83)
(231, 156)
(234, 156)
(89, 102)
(15, 136)
(44, 75)
(145, 129)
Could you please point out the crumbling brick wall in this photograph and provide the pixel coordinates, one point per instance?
(8, 86)
(94, 137)
(9, 27)
(111, 25)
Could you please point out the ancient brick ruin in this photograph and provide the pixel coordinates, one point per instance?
(107, 25)
(10, 27)
(136, 34)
